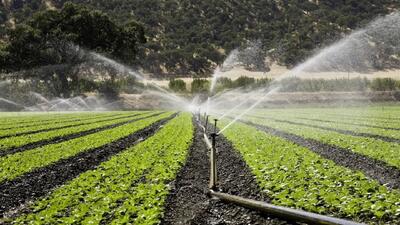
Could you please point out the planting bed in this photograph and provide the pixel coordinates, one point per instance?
(152, 167)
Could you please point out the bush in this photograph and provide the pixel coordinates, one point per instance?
(177, 85)
(244, 82)
(200, 86)
(384, 84)
(109, 90)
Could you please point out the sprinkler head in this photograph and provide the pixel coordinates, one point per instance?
(214, 135)
(215, 126)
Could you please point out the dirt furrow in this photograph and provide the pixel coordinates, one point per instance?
(59, 139)
(41, 181)
(372, 168)
(188, 202)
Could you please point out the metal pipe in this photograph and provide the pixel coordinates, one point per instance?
(207, 141)
(206, 124)
(213, 163)
(283, 212)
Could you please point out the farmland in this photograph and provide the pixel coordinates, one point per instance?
(151, 167)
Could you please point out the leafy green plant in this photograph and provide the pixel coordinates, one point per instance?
(17, 164)
(294, 176)
(129, 188)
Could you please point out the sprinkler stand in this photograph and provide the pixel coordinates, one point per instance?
(205, 131)
(215, 125)
(213, 162)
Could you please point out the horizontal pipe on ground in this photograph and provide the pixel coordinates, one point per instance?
(282, 212)
(207, 141)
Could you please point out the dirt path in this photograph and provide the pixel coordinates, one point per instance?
(188, 202)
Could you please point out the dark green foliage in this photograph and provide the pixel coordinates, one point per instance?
(50, 46)
(192, 37)
(316, 85)
(130, 85)
(244, 81)
(109, 90)
(385, 84)
(200, 86)
(295, 84)
(177, 85)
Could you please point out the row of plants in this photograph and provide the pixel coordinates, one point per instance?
(336, 124)
(17, 141)
(293, 176)
(385, 117)
(130, 188)
(13, 119)
(376, 149)
(61, 123)
(12, 166)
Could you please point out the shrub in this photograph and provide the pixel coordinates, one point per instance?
(177, 85)
(384, 84)
(200, 85)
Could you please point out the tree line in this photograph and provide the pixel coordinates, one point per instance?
(292, 84)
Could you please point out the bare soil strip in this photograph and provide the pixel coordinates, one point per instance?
(67, 126)
(66, 120)
(349, 123)
(341, 131)
(372, 168)
(59, 139)
(188, 202)
(41, 181)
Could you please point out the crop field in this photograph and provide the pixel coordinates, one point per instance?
(152, 167)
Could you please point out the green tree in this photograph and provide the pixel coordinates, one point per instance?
(177, 85)
(54, 41)
(200, 86)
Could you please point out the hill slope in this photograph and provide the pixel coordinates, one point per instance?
(192, 36)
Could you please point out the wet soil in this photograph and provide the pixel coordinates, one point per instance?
(188, 202)
(375, 169)
(41, 181)
(59, 139)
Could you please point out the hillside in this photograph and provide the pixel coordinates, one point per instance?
(192, 37)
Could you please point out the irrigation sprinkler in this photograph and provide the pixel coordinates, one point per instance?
(279, 211)
(213, 162)
(215, 125)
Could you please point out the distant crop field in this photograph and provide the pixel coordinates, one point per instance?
(151, 167)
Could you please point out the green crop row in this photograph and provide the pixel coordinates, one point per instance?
(12, 166)
(293, 176)
(323, 114)
(377, 149)
(17, 141)
(130, 188)
(61, 123)
(28, 118)
(341, 126)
